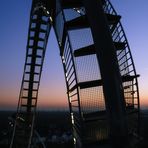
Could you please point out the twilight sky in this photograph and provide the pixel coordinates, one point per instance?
(14, 19)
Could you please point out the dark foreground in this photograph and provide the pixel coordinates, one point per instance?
(55, 129)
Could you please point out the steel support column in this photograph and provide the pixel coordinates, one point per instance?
(112, 83)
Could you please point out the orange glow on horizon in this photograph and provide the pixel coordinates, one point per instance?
(144, 103)
(51, 98)
(53, 103)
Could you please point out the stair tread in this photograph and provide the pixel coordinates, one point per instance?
(33, 38)
(66, 4)
(82, 22)
(77, 23)
(113, 18)
(40, 30)
(35, 73)
(32, 89)
(96, 83)
(37, 56)
(27, 97)
(25, 105)
(88, 50)
(32, 81)
(38, 47)
(129, 77)
(34, 64)
(42, 21)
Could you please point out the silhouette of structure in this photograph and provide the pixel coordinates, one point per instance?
(99, 71)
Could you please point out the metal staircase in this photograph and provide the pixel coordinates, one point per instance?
(38, 33)
(82, 73)
(127, 71)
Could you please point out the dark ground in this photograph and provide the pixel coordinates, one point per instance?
(144, 129)
(54, 122)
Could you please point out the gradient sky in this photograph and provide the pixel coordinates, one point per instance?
(14, 19)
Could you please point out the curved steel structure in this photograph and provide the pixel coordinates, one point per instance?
(93, 111)
(38, 33)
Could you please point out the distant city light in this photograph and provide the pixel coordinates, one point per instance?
(51, 19)
(72, 118)
(74, 140)
(47, 12)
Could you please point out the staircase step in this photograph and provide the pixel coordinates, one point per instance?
(33, 64)
(24, 97)
(37, 56)
(39, 39)
(66, 4)
(129, 78)
(42, 21)
(25, 105)
(35, 73)
(77, 23)
(40, 30)
(119, 45)
(38, 47)
(96, 83)
(28, 89)
(82, 22)
(89, 84)
(33, 29)
(33, 98)
(30, 81)
(43, 31)
(113, 19)
(89, 50)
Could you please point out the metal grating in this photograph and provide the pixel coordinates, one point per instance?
(92, 100)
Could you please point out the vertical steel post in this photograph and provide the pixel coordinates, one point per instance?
(112, 83)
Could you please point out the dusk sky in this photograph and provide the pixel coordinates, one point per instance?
(14, 20)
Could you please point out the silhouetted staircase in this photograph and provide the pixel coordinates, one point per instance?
(38, 33)
(90, 122)
(81, 68)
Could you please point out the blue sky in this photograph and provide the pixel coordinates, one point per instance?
(14, 22)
